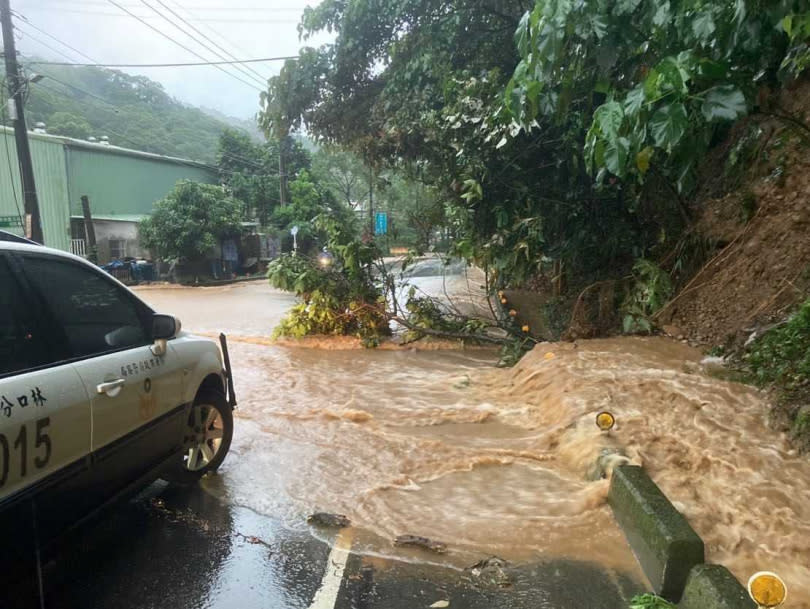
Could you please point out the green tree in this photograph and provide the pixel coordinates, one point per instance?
(248, 169)
(417, 211)
(192, 219)
(343, 173)
(280, 113)
(309, 201)
(70, 125)
(551, 147)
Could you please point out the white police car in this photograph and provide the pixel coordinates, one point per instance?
(98, 395)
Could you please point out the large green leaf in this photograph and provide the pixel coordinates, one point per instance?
(703, 27)
(673, 76)
(724, 102)
(522, 35)
(662, 15)
(625, 7)
(609, 117)
(668, 125)
(616, 152)
(634, 100)
(651, 88)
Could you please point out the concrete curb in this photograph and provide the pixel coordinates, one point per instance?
(714, 587)
(665, 544)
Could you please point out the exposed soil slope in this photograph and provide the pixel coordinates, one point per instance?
(755, 204)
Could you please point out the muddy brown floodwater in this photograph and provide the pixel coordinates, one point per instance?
(442, 445)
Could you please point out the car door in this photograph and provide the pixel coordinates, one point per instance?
(136, 403)
(44, 422)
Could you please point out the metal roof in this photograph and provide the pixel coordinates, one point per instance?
(77, 143)
(115, 218)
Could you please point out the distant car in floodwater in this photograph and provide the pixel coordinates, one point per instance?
(99, 396)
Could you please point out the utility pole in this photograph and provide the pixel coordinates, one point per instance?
(89, 231)
(282, 170)
(15, 84)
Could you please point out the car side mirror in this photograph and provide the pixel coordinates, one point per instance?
(164, 327)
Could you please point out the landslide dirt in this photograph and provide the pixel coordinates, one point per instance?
(754, 203)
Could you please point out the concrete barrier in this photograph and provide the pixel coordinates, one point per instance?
(714, 587)
(665, 544)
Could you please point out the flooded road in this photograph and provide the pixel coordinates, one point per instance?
(490, 461)
(442, 445)
(402, 442)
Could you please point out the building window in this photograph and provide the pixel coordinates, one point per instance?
(118, 249)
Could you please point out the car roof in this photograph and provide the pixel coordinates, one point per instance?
(36, 248)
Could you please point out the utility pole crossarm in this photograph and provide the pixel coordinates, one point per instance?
(15, 83)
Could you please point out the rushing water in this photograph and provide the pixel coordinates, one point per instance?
(489, 461)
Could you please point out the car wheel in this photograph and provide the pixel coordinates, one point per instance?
(207, 436)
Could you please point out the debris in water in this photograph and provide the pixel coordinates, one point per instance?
(421, 542)
(492, 571)
(332, 521)
(609, 459)
(441, 604)
(463, 382)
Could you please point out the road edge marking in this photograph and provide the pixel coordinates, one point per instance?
(326, 596)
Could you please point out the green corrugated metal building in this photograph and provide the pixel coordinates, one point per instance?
(121, 184)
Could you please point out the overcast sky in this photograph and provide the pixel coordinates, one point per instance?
(105, 33)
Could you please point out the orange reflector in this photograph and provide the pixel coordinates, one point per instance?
(767, 589)
(605, 421)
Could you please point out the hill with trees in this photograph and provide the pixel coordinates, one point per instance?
(133, 111)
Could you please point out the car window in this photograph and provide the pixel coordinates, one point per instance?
(95, 314)
(22, 344)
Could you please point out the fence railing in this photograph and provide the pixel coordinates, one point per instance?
(78, 247)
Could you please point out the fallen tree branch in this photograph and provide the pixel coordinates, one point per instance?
(484, 338)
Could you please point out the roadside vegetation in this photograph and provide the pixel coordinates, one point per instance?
(193, 219)
(780, 359)
(565, 146)
(650, 601)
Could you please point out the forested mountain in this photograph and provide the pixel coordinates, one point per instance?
(133, 111)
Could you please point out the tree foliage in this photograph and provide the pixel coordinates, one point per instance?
(249, 170)
(651, 79)
(190, 221)
(553, 131)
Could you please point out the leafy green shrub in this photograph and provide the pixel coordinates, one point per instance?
(339, 298)
(782, 356)
(323, 314)
(650, 601)
(651, 290)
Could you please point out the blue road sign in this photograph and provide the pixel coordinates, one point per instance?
(380, 223)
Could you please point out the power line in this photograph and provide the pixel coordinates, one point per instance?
(52, 37)
(69, 86)
(180, 44)
(162, 65)
(102, 3)
(44, 44)
(199, 42)
(228, 54)
(119, 15)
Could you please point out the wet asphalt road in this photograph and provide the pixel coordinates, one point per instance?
(174, 547)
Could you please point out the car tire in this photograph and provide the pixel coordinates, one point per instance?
(207, 435)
